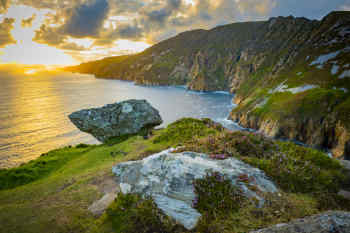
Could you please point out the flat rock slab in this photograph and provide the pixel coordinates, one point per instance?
(114, 120)
(345, 194)
(346, 164)
(168, 178)
(329, 222)
(98, 207)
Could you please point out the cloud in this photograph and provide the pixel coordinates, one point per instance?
(259, 7)
(52, 37)
(4, 5)
(345, 7)
(105, 22)
(148, 20)
(83, 20)
(48, 35)
(47, 4)
(28, 22)
(5, 32)
(312, 9)
(86, 20)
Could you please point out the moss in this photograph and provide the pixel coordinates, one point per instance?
(184, 130)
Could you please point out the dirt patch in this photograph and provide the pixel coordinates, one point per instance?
(108, 186)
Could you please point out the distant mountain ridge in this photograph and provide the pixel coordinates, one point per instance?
(291, 76)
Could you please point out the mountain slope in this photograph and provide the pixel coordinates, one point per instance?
(290, 75)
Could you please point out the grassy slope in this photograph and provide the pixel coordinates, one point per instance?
(58, 197)
(59, 200)
(60, 194)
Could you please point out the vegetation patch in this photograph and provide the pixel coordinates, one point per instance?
(215, 194)
(233, 144)
(186, 129)
(312, 103)
(278, 208)
(131, 213)
(302, 170)
(59, 200)
(294, 168)
(41, 167)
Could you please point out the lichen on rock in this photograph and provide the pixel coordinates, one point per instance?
(168, 178)
(119, 119)
(332, 221)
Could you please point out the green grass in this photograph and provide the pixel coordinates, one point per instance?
(215, 195)
(184, 130)
(312, 103)
(130, 213)
(293, 168)
(58, 193)
(64, 183)
(41, 167)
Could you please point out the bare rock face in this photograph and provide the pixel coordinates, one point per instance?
(113, 120)
(329, 222)
(168, 178)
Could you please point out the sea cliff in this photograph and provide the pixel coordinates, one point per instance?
(290, 76)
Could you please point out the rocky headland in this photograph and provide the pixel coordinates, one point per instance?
(192, 176)
(290, 76)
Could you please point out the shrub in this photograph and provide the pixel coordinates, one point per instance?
(331, 201)
(294, 168)
(185, 130)
(130, 213)
(82, 145)
(215, 194)
(234, 144)
(302, 170)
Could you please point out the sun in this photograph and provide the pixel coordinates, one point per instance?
(190, 2)
(31, 72)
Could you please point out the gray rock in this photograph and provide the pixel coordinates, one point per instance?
(98, 207)
(346, 164)
(113, 120)
(329, 222)
(345, 194)
(168, 178)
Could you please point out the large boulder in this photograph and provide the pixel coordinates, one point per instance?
(113, 120)
(329, 222)
(168, 178)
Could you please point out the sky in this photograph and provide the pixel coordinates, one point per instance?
(66, 32)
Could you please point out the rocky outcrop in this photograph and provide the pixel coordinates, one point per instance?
(251, 59)
(318, 132)
(114, 120)
(168, 178)
(329, 222)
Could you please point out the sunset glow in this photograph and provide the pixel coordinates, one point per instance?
(70, 32)
(30, 72)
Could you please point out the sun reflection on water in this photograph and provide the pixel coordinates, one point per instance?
(30, 72)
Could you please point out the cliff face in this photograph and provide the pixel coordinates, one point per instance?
(290, 75)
